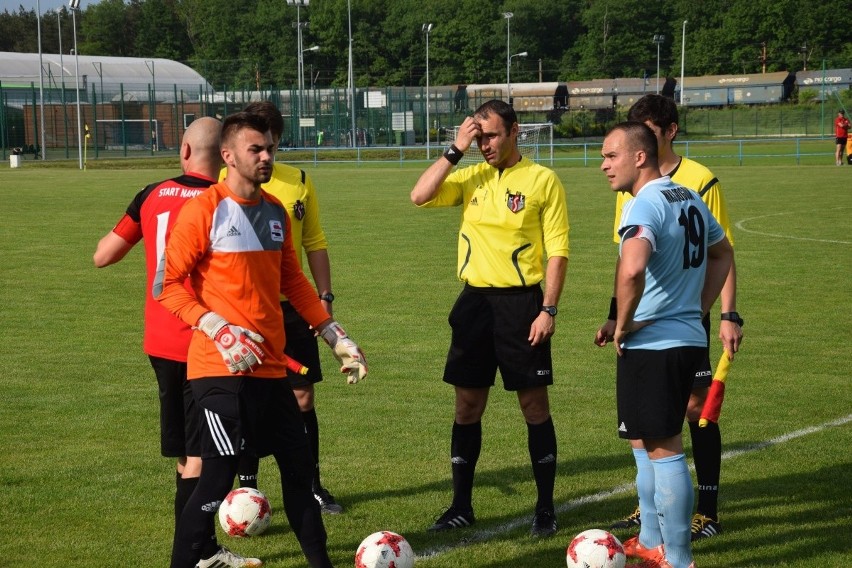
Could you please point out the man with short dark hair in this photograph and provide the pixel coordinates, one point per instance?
(660, 114)
(674, 259)
(513, 215)
(234, 244)
(295, 190)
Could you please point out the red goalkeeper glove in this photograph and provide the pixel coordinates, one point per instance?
(239, 347)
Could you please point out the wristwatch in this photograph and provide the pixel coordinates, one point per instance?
(327, 297)
(549, 310)
(734, 317)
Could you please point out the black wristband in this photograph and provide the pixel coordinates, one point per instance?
(613, 309)
(453, 154)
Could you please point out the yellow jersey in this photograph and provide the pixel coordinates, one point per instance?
(511, 221)
(691, 175)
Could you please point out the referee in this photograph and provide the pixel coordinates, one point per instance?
(514, 214)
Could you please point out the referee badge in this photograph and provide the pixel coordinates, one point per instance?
(299, 210)
(515, 202)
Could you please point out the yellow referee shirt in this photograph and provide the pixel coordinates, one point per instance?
(691, 175)
(510, 222)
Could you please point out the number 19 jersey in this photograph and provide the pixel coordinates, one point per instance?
(680, 228)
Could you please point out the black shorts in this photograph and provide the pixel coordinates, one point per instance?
(490, 330)
(247, 415)
(704, 374)
(302, 346)
(652, 390)
(179, 416)
(840, 141)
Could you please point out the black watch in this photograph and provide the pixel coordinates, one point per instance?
(734, 317)
(327, 297)
(549, 310)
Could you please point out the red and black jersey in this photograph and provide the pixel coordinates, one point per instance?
(151, 215)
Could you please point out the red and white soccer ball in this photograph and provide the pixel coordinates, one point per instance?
(384, 549)
(595, 548)
(245, 512)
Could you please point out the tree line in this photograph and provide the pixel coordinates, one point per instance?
(252, 43)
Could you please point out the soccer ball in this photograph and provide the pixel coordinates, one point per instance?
(595, 548)
(384, 549)
(245, 512)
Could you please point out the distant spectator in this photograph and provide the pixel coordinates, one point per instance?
(841, 133)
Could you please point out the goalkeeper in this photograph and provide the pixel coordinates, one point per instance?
(233, 242)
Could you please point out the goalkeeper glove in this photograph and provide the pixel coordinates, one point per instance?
(351, 358)
(239, 346)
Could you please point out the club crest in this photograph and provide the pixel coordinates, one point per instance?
(299, 210)
(515, 202)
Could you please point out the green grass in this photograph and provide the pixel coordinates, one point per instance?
(84, 483)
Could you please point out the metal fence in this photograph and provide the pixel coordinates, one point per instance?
(131, 120)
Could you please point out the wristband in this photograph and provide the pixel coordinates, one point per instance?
(613, 309)
(453, 154)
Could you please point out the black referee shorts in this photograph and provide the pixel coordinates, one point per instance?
(704, 374)
(302, 346)
(490, 330)
(179, 418)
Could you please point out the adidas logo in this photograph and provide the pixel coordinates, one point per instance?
(622, 427)
(549, 458)
(233, 232)
(458, 460)
(474, 201)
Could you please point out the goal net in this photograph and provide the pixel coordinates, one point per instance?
(535, 142)
(137, 133)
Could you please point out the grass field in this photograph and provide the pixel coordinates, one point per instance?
(84, 483)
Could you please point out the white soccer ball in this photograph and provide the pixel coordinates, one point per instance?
(595, 548)
(245, 512)
(384, 549)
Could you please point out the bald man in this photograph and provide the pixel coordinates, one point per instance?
(151, 215)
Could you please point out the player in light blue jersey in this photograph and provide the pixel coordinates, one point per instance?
(673, 261)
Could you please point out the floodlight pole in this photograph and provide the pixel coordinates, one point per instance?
(75, 5)
(658, 39)
(351, 75)
(300, 67)
(508, 83)
(40, 81)
(682, 60)
(426, 29)
(61, 63)
(508, 16)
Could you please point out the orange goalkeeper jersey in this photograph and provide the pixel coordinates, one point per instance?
(238, 256)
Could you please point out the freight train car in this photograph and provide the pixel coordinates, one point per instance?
(747, 89)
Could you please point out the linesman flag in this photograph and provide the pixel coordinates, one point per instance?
(295, 366)
(713, 405)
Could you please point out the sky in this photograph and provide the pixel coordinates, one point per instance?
(45, 5)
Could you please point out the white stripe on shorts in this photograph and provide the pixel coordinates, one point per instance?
(219, 434)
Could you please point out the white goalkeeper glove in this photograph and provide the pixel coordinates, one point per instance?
(352, 360)
(239, 346)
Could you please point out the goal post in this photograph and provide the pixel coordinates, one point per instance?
(535, 142)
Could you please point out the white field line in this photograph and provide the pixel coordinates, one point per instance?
(488, 534)
(741, 226)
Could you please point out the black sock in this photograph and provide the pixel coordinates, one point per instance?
(541, 439)
(247, 470)
(707, 455)
(312, 430)
(183, 489)
(464, 452)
